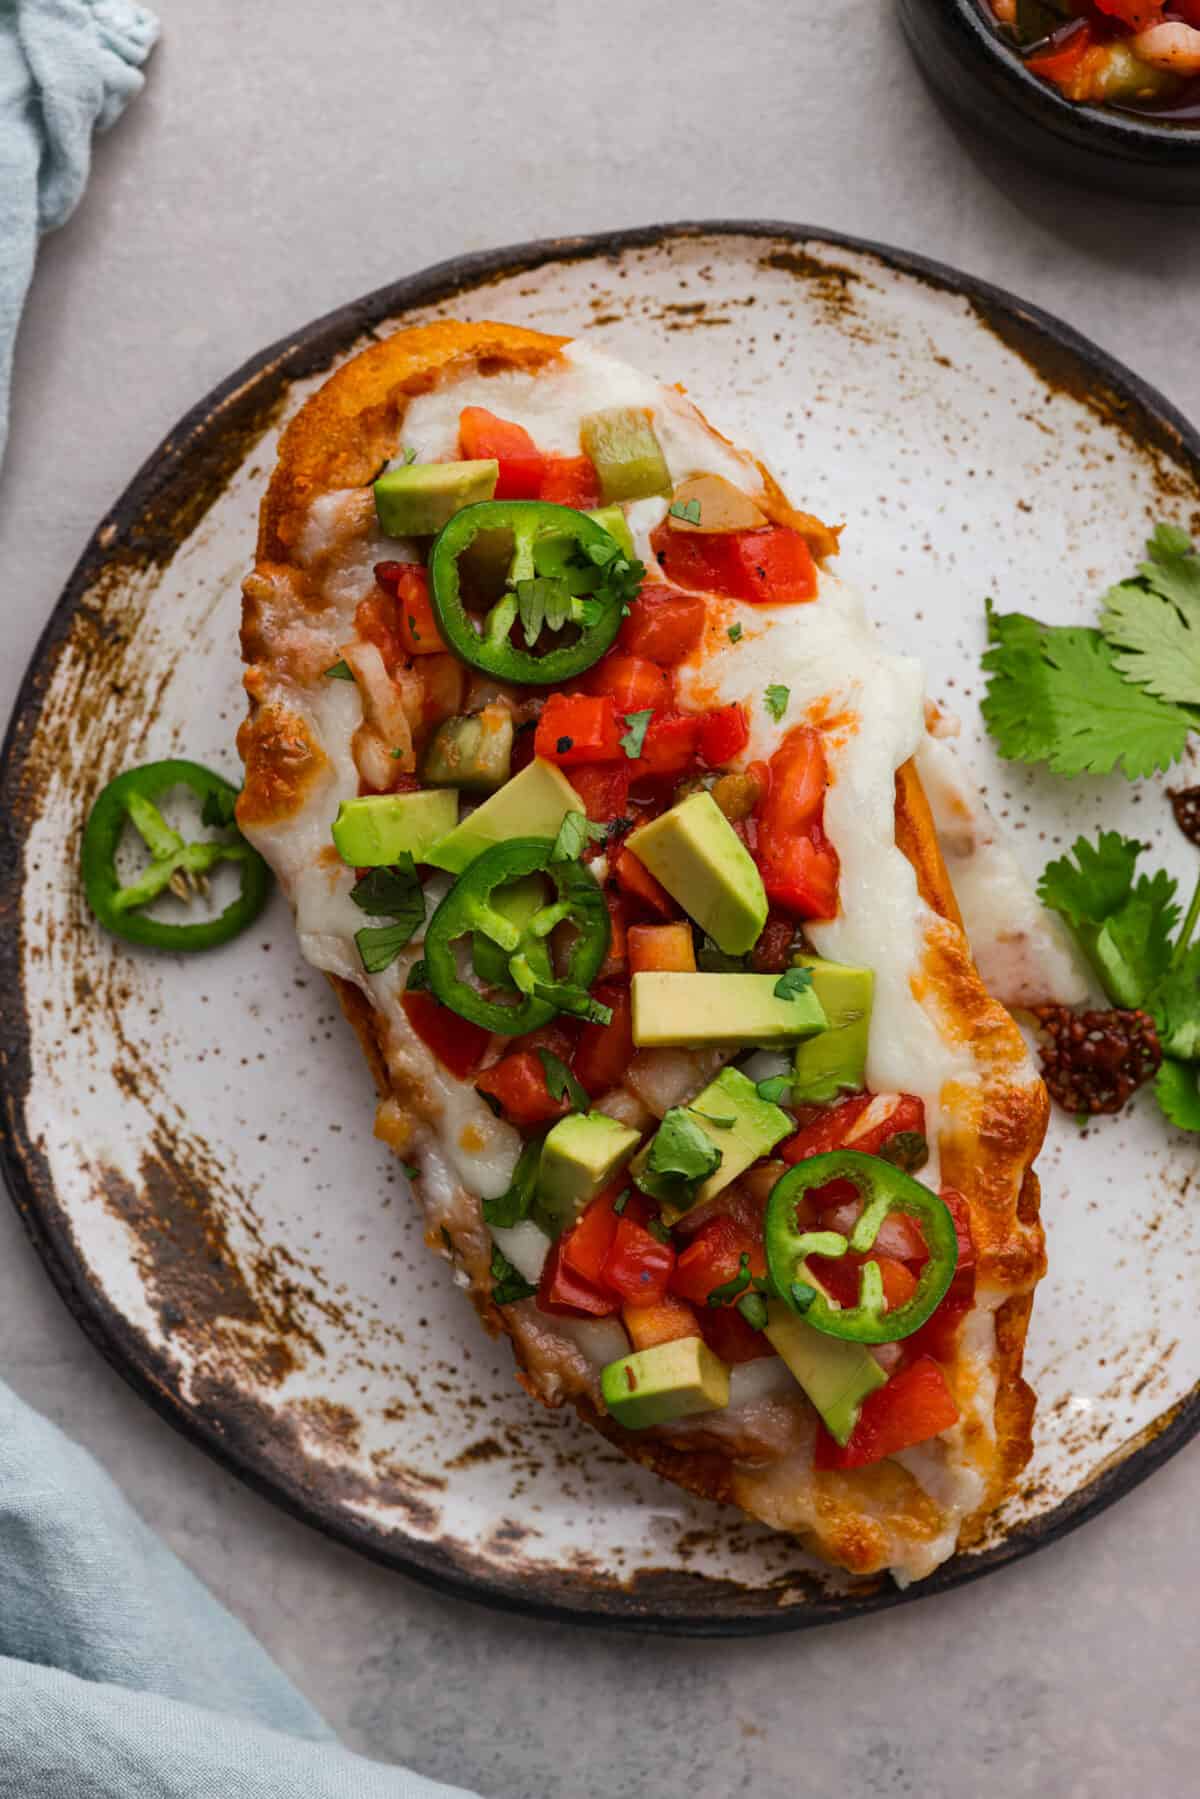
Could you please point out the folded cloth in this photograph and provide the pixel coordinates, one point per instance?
(67, 68)
(120, 1675)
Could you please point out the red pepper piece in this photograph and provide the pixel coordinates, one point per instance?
(916, 1404)
(1060, 63)
(772, 564)
(408, 583)
(616, 962)
(578, 727)
(869, 1135)
(825, 1132)
(799, 866)
(606, 1050)
(566, 1294)
(518, 1084)
(839, 1277)
(377, 621)
(724, 734)
(604, 790)
(458, 1044)
(664, 625)
(635, 879)
(638, 1266)
(730, 1337)
(713, 1257)
(482, 436)
(669, 746)
(570, 481)
(586, 1245)
(632, 683)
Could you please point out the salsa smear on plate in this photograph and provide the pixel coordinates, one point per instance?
(1142, 55)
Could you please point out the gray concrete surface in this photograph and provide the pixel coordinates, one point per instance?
(285, 156)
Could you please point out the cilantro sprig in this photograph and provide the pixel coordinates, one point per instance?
(1125, 923)
(508, 1283)
(574, 834)
(393, 893)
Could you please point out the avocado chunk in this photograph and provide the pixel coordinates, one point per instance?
(702, 862)
(473, 751)
(627, 454)
(580, 1156)
(748, 1127)
(372, 831)
(417, 500)
(720, 1011)
(672, 1380)
(836, 1375)
(533, 804)
(836, 1061)
(517, 902)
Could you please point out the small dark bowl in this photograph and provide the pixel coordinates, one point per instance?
(983, 80)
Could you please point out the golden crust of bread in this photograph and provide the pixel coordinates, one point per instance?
(339, 440)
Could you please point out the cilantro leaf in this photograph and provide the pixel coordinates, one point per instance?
(1124, 926)
(542, 600)
(339, 671)
(1055, 695)
(1177, 1090)
(711, 959)
(508, 1283)
(688, 510)
(1153, 620)
(681, 1151)
(1103, 880)
(1175, 1004)
(393, 893)
(418, 978)
(574, 833)
(561, 1083)
(734, 633)
(776, 700)
(514, 1203)
(218, 806)
(635, 736)
(792, 983)
(776, 1089)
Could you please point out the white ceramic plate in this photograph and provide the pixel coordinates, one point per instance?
(189, 1140)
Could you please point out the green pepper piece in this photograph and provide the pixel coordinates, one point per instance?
(884, 1189)
(566, 573)
(473, 751)
(468, 908)
(627, 454)
(173, 863)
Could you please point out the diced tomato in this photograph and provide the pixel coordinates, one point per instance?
(669, 746)
(723, 735)
(559, 1037)
(578, 727)
(730, 1337)
(586, 1245)
(457, 1044)
(377, 621)
(938, 1336)
(604, 790)
(616, 962)
(564, 1293)
(606, 1050)
(518, 1085)
(773, 951)
(570, 481)
(839, 1277)
(408, 584)
(638, 1266)
(1059, 64)
(898, 1235)
(635, 879)
(872, 1129)
(1139, 14)
(661, 949)
(916, 1404)
(633, 683)
(713, 1257)
(825, 1132)
(663, 625)
(799, 866)
(666, 1322)
(772, 564)
(481, 435)
(957, 1207)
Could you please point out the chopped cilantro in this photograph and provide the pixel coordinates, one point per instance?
(658, 1230)
(508, 1284)
(907, 1149)
(792, 983)
(410, 1169)
(681, 1150)
(418, 978)
(1152, 622)
(410, 456)
(711, 959)
(621, 1201)
(1056, 695)
(1175, 1003)
(734, 633)
(687, 510)
(560, 1082)
(574, 833)
(393, 893)
(340, 671)
(776, 700)
(730, 1290)
(635, 736)
(776, 1089)
(514, 1203)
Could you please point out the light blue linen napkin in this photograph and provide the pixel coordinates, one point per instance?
(67, 68)
(120, 1675)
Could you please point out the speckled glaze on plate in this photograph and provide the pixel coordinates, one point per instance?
(189, 1141)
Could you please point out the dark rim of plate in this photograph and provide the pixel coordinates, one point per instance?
(663, 1601)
